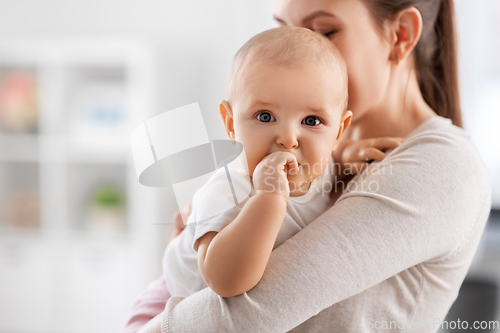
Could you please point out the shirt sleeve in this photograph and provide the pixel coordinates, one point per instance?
(419, 204)
(215, 205)
(149, 304)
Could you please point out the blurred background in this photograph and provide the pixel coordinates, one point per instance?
(80, 238)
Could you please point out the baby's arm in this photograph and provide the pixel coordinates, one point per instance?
(233, 260)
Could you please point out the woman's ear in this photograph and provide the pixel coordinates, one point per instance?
(227, 117)
(406, 30)
(345, 121)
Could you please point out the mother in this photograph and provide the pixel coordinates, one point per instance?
(395, 248)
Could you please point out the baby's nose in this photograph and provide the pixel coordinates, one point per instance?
(287, 140)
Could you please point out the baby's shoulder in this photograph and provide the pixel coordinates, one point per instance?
(224, 190)
(226, 182)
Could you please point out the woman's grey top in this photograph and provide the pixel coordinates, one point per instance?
(393, 250)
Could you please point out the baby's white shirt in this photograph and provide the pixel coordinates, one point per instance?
(180, 260)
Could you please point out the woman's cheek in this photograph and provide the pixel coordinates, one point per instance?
(355, 85)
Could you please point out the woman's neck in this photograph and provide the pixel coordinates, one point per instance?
(402, 111)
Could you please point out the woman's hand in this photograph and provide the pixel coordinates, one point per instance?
(178, 222)
(354, 156)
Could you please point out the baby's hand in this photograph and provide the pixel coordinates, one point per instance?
(270, 175)
(355, 156)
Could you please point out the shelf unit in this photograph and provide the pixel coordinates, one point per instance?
(65, 272)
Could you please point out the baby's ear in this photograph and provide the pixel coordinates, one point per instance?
(227, 117)
(345, 121)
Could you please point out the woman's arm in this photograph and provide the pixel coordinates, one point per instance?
(153, 326)
(233, 260)
(151, 302)
(425, 200)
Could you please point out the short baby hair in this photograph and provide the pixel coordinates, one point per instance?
(289, 47)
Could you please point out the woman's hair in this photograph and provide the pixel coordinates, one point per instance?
(435, 52)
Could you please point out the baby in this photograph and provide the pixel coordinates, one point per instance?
(287, 106)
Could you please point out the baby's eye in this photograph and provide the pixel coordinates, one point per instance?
(311, 121)
(265, 117)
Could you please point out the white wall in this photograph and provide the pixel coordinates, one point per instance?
(479, 70)
(194, 40)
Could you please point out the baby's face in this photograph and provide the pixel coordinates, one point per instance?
(288, 109)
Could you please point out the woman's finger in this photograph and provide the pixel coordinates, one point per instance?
(178, 224)
(384, 143)
(371, 153)
(186, 211)
(179, 216)
(354, 168)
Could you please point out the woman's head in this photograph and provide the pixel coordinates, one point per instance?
(382, 42)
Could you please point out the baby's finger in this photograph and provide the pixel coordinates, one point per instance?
(371, 153)
(289, 160)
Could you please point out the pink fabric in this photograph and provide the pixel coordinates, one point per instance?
(150, 303)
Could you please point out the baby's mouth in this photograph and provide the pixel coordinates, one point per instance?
(295, 172)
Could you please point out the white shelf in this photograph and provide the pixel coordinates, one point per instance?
(99, 150)
(19, 148)
(64, 268)
(25, 148)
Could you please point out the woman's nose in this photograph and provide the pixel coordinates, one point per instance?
(287, 139)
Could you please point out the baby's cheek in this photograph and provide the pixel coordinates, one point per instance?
(321, 161)
(249, 162)
(243, 161)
